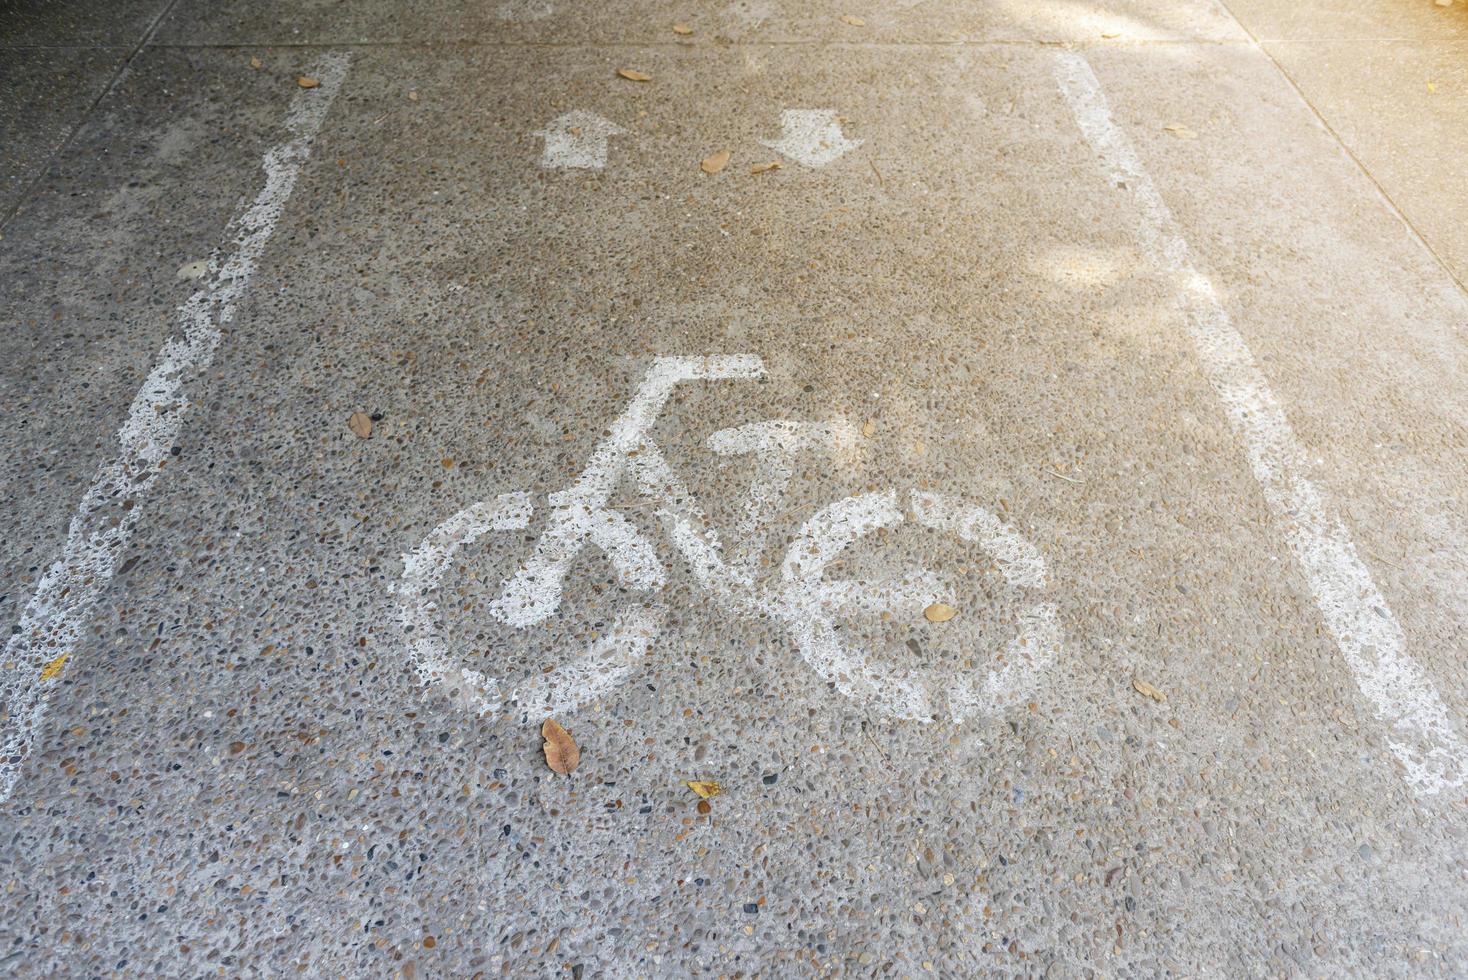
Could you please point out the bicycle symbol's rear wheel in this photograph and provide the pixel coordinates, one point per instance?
(605, 663)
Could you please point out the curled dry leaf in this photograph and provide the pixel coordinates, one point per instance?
(682, 28)
(633, 75)
(361, 424)
(256, 63)
(713, 164)
(764, 168)
(1142, 687)
(52, 670)
(939, 612)
(853, 21)
(869, 428)
(306, 81)
(1180, 131)
(705, 788)
(561, 753)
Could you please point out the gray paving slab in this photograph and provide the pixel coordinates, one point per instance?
(1400, 108)
(243, 772)
(1340, 20)
(740, 21)
(77, 23)
(48, 91)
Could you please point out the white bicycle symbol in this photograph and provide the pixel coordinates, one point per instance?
(803, 600)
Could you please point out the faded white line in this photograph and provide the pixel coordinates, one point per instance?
(1368, 635)
(51, 624)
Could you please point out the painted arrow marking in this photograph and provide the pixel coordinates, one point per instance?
(811, 137)
(577, 139)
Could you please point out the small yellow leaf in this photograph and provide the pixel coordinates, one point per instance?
(764, 168)
(939, 612)
(869, 428)
(53, 669)
(853, 21)
(413, 96)
(306, 81)
(256, 63)
(1180, 131)
(705, 788)
(1431, 87)
(633, 76)
(1142, 687)
(715, 163)
(361, 424)
(561, 753)
(682, 28)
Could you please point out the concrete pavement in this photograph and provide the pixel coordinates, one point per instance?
(1079, 321)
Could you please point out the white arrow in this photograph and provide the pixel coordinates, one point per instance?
(811, 137)
(577, 139)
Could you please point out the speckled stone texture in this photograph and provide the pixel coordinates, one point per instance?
(243, 774)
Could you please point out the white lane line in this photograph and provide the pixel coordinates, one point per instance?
(1368, 635)
(51, 624)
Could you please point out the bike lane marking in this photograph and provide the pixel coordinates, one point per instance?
(1367, 633)
(804, 602)
(51, 625)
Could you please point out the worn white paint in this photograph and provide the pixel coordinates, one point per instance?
(803, 600)
(579, 515)
(572, 685)
(1368, 635)
(52, 622)
(577, 140)
(811, 137)
(899, 688)
(774, 445)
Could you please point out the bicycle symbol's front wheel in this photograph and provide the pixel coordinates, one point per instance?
(815, 607)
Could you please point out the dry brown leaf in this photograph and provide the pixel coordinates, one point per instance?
(633, 76)
(52, 670)
(764, 168)
(413, 96)
(361, 424)
(306, 81)
(1110, 34)
(713, 164)
(939, 612)
(561, 753)
(1180, 131)
(256, 63)
(706, 789)
(853, 21)
(869, 428)
(682, 28)
(1142, 687)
